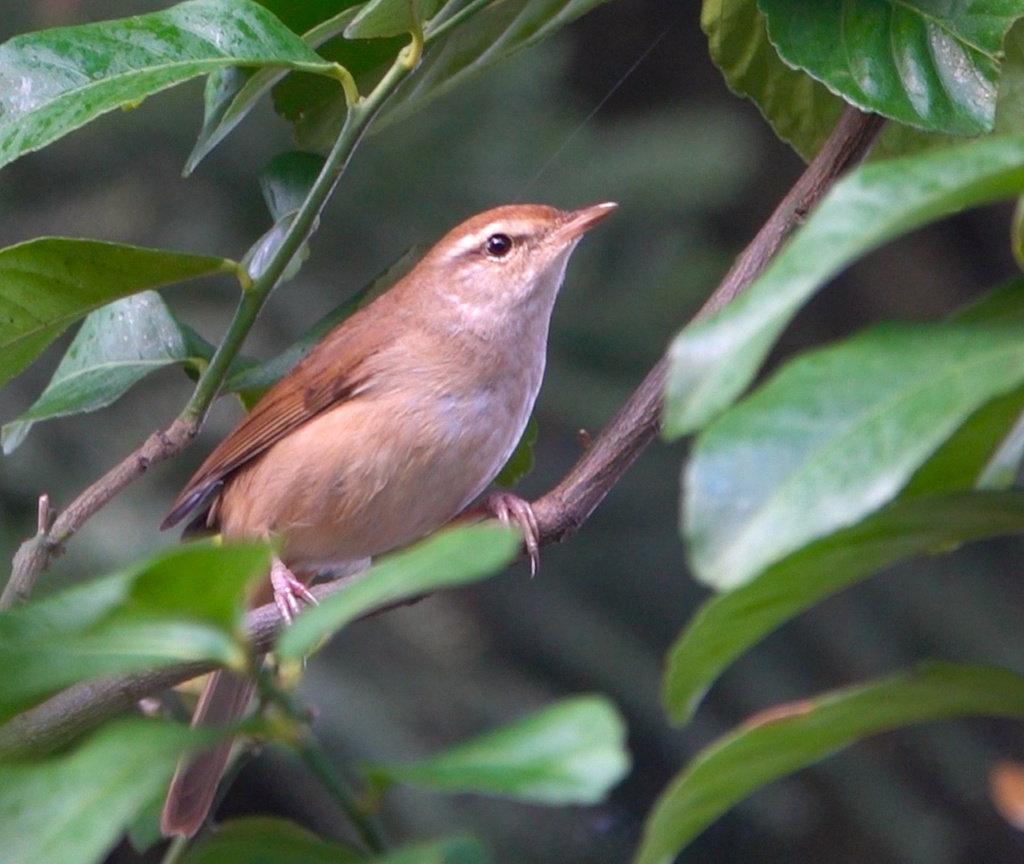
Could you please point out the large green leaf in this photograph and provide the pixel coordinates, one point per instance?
(455, 556)
(926, 63)
(573, 752)
(1010, 103)
(57, 80)
(834, 436)
(801, 110)
(72, 808)
(713, 360)
(181, 605)
(116, 347)
(784, 741)
(49, 283)
(985, 453)
(726, 626)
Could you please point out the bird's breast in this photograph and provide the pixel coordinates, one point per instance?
(380, 470)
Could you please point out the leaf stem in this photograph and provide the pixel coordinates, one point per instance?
(316, 760)
(357, 120)
(175, 849)
(309, 750)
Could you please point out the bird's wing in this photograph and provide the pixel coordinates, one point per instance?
(338, 369)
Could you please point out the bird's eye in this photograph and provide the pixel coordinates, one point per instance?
(498, 245)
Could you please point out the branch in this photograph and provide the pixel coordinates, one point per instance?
(559, 513)
(67, 715)
(565, 508)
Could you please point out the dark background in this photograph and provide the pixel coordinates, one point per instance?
(695, 171)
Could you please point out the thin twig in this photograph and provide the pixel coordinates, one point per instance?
(559, 513)
(318, 762)
(34, 554)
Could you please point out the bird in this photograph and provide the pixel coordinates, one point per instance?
(396, 422)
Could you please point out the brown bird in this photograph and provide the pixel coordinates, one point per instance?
(397, 421)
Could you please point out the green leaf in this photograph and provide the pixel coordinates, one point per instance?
(713, 360)
(1003, 467)
(266, 840)
(260, 254)
(287, 179)
(787, 739)
(116, 347)
(985, 452)
(230, 94)
(317, 107)
(573, 752)
(228, 97)
(73, 808)
(143, 832)
(309, 14)
(54, 81)
(285, 183)
(381, 18)
(927, 64)
(452, 557)
(180, 605)
(254, 379)
(834, 436)
(521, 460)
(726, 626)
(1010, 103)
(803, 111)
(49, 283)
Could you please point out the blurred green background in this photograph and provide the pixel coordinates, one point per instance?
(695, 171)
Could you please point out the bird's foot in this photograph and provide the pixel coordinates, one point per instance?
(288, 591)
(515, 512)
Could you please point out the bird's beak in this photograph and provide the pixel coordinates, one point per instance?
(576, 222)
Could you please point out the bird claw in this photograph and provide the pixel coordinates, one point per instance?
(514, 511)
(288, 591)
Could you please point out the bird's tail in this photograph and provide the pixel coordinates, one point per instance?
(222, 703)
